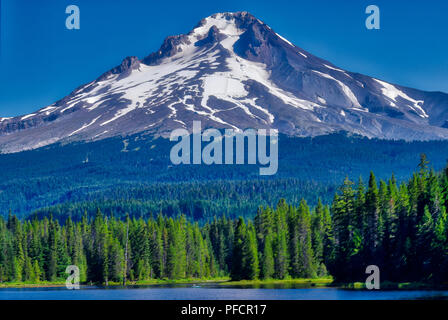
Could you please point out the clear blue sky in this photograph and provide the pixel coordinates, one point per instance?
(41, 61)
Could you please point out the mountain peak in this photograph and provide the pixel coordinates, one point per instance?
(228, 23)
(236, 17)
(231, 71)
(215, 29)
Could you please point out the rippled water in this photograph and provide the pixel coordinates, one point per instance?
(213, 292)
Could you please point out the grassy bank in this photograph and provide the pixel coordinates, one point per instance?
(226, 282)
(220, 281)
(306, 282)
(170, 281)
(44, 284)
(48, 284)
(395, 286)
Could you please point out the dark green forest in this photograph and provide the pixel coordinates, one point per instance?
(134, 174)
(400, 227)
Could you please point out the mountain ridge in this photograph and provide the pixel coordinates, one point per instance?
(231, 71)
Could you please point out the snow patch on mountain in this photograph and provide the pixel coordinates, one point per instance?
(226, 26)
(347, 91)
(28, 116)
(84, 127)
(286, 40)
(393, 93)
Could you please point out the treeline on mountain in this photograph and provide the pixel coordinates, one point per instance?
(400, 227)
(122, 169)
(200, 201)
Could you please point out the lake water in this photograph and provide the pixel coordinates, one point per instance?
(213, 292)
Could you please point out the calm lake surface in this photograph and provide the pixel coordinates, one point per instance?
(213, 292)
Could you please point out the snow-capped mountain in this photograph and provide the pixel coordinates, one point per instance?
(231, 71)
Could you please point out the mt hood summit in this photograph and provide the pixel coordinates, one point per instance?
(231, 71)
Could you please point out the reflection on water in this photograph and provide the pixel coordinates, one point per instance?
(211, 291)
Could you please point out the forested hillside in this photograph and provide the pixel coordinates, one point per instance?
(134, 175)
(401, 227)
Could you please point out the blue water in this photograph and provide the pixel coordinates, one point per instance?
(211, 292)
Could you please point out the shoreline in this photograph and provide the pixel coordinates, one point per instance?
(385, 286)
(318, 282)
(9, 285)
(226, 283)
(57, 284)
